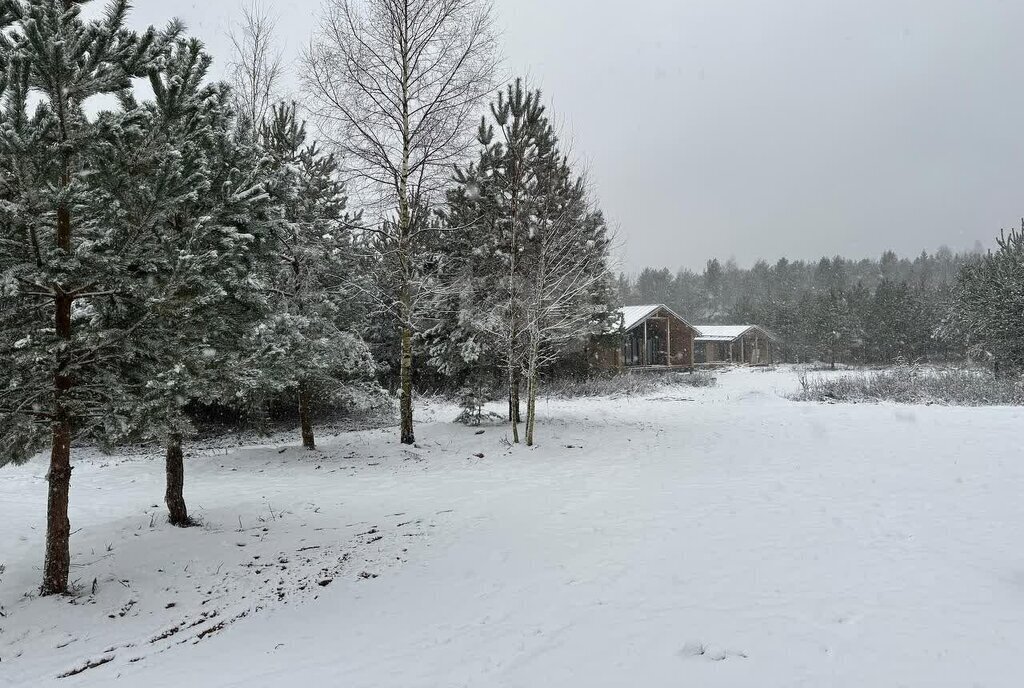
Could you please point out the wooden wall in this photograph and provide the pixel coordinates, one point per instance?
(751, 341)
(681, 353)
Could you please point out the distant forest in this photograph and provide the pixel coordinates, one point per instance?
(836, 309)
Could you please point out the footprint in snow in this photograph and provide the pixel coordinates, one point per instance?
(714, 653)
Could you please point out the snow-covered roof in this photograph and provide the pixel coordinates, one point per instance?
(634, 315)
(726, 333)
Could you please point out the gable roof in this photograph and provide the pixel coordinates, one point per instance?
(635, 315)
(728, 333)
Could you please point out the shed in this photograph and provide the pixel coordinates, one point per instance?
(651, 336)
(748, 344)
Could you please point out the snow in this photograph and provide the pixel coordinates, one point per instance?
(634, 315)
(631, 315)
(720, 333)
(696, 537)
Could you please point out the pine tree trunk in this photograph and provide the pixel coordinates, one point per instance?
(514, 374)
(174, 496)
(57, 564)
(57, 561)
(305, 421)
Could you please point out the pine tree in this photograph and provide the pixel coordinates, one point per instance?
(197, 197)
(503, 185)
(535, 273)
(834, 326)
(58, 258)
(988, 301)
(461, 350)
(317, 352)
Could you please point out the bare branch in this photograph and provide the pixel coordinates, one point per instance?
(256, 67)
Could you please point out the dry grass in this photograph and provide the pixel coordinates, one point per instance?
(625, 385)
(914, 385)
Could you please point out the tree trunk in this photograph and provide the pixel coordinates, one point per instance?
(405, 250)
(408, 436)
(305, 421)
(514, 402)
(513, 398)
(57, 561)
(531, 396)
(513, 370)
(174, 496)
(514, 374)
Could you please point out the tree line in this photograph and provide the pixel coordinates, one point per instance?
(169, 242)
(833, 310)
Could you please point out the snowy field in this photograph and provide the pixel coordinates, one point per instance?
(695, 537)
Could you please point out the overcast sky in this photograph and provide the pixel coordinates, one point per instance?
(762, 128)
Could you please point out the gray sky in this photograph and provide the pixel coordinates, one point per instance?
(763, 128)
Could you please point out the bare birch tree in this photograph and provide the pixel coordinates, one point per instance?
(566, 289)
(256, 67)
(567, 279)
(394, 84)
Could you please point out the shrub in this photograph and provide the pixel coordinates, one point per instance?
(625, 384)
(913, 385)
(472, 400)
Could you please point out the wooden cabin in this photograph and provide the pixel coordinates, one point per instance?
(651, 336)
(743, 344)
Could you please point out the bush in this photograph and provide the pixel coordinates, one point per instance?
(624, 385)
(912, 385)
(822, 366)
(700, 378)
(472, 399)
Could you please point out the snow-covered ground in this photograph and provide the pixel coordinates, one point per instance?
(697, 537)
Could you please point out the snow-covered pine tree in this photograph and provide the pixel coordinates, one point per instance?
(458, 349)
(496, 198)
(988, 300)
(833, 325)
(891, 321)
(312, 342)
(197, 200)
(535, 272)
(57, 259)
(448, 341)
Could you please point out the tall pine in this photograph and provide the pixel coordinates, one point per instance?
(314, 349)
(198, 200)
(58, 257)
